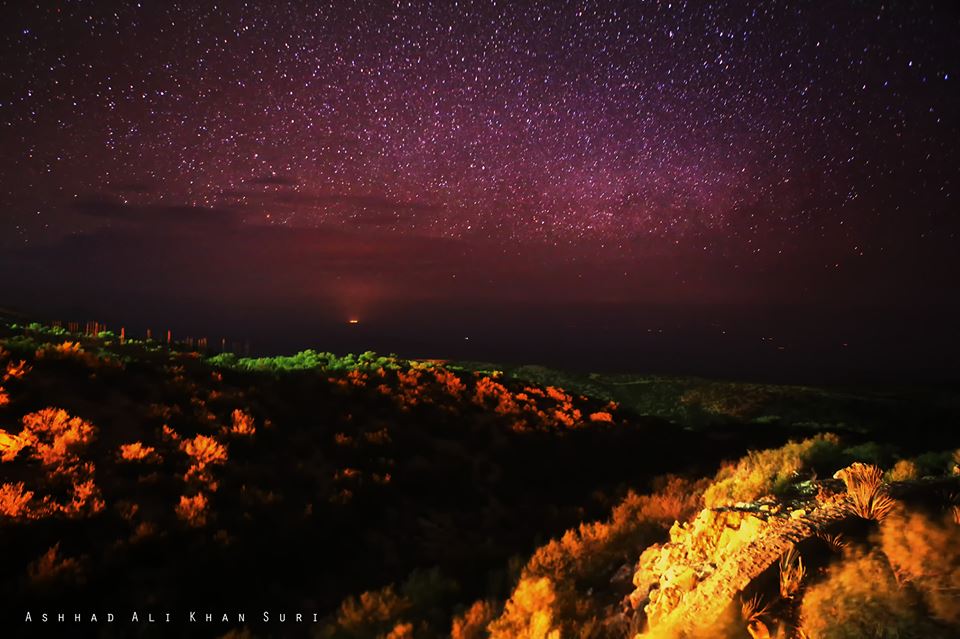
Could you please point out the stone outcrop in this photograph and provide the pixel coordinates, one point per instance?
(688, 582)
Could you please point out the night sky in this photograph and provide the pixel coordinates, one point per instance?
(762, 189)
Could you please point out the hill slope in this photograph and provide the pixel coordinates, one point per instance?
(135, 477)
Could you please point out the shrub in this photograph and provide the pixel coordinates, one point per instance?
(136, 452)
(15, 500)
(55, 436)
(903, 470)
(860, 598)
(473, 623)
(871, 453)
(529, 612)
(51, 566)
(204, 451)
(371, 614)
(761, 473)
(241, 423)
(926, 553)
(934, 464)
(193, 510)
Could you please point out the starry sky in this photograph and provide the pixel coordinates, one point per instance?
(629, 181)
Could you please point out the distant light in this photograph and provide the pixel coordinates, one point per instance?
(353, 321)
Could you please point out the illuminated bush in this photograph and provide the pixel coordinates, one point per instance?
(473, 623)
(15, 500)
(372, 613)
(51, 566)
(204, 451)
(11, 445)
(528, 613)
(136, 452)
(193, 509)
(582, 557)
(241, 423)
(903, 470)
(761, 473)
(55, 436)
(860, 597)
(16, 370)
(925, 553)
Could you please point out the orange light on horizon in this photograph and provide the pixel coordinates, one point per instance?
(353, 320)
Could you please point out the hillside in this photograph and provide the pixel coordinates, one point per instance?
(382, 497)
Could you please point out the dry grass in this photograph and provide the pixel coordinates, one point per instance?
(753, 609)
(867, 495)
(792, 572)
(836, 542)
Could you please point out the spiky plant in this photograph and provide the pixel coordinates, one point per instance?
(792, 572)
(867, 495)
(752, 611)
(836, 542)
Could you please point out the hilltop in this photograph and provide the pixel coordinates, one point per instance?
(386, 497)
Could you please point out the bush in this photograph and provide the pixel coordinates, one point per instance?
(761, 473)
(860, 598)
(529, 612)
(925, 552)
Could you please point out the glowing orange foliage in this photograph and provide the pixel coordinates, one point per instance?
(136, 451)
(529, 612)
(473, 623)
(410, 389)
(16, 371)
(67, 350)
(242, 423)
(488, 389)
(357, 377)
(401, 631)
(10, 446)
(601, 416)
(204, 451)
(86, 498)
(15, 500)
(450, 382)
(193, 510)
(55, 436)
(51, 566)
